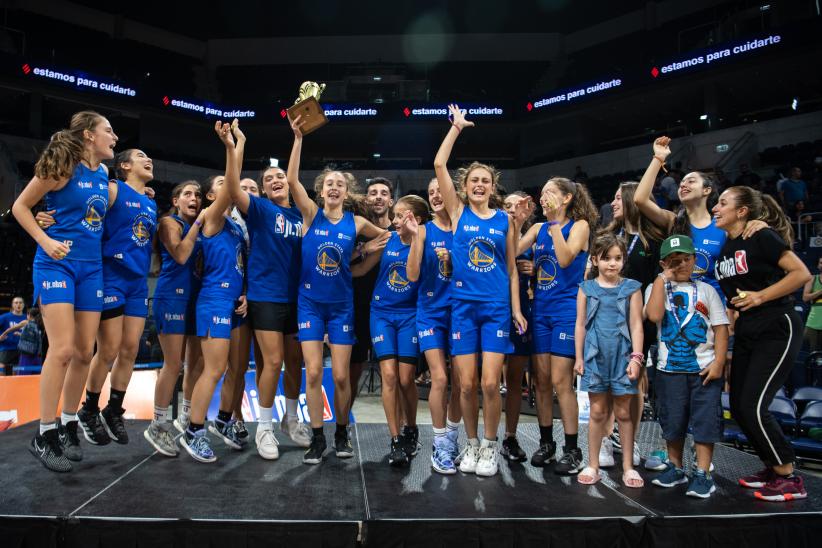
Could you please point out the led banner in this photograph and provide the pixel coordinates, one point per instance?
(436, 110)
(716, 54)
(334, 110)
(77, 79)
(573, 94)
(207, 109)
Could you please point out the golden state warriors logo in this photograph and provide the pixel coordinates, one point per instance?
(329, 258)
(481, 255)
(141, 229)
(95, 212)
(444, 264)
(397, 280)
(239, 263)
(546, 273)
(700, 264)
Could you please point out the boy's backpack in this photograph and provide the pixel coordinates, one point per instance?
(30, 339)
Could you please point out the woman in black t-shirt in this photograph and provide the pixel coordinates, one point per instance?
(758, 276)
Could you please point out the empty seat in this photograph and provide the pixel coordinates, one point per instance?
(784, 411)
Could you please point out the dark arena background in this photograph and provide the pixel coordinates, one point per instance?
(556, 88)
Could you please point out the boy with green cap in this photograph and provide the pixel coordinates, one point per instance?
(693, 339)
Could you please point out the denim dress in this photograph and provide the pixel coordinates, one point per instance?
(607, 348)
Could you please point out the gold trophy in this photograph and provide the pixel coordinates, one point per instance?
(307, 105)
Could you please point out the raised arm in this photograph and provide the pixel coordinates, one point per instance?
(304, 203)
(236, 195)
(367, 228)
(528, 239)
(412, 267)
(643, 197)
(30, 197)
(567, 250)
(171, 236)
(452, 202)
(213, 218)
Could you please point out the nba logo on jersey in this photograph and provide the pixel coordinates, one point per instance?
(741, 260)
(279, 224)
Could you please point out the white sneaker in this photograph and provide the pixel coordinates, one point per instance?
(267, 444)
(487, 462)
(469, 457)
(297, 431)
(606, 453)
(636, 455)
(181, 423)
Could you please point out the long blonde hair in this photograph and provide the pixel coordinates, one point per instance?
(66, 147)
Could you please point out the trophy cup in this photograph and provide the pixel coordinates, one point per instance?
(307, 105)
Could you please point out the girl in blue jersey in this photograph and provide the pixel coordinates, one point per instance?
(68, 281)
(393, 322)
(560, 253)
(484, 293)
(127, 244)
(517, 361)
(325, 304)
(223, 280)
(275, 232)
(174, 301)
(429, 262)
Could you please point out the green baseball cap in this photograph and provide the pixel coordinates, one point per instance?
(676, 244)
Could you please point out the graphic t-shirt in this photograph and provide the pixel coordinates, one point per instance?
(686, 337)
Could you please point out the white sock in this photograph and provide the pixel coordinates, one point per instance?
(474, 442)
(66, 418)
(291, 409)
(46, 426)
(439, 432)
(451, 426)
(266, 416)
(160, 414)
(186, 407)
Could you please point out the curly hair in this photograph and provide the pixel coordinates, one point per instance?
(66, 147)
(495, 201)
(354, 201)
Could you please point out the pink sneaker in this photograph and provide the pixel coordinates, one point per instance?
(758, 480)
(781, 489)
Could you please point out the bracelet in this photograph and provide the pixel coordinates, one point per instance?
(197, 222)
(456, 126)
(638, 356)
(661, 161)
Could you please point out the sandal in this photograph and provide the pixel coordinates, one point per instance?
(631, 478)
(588, 476)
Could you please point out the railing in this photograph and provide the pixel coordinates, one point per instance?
(808, 229)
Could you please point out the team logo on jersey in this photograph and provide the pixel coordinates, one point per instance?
(444, 263)
(481, 255)
(741, 261)
(701, 263)
(329, 257)
(239, 264)
(397, 280)
(141, 229)
(546, 273)
(279, 224)
(95, 211)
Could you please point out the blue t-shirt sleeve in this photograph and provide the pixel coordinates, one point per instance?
(255, 210)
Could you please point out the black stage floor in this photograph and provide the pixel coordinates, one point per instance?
(129, 496)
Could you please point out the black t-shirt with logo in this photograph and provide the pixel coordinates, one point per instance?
(752, 265)
(642, 263)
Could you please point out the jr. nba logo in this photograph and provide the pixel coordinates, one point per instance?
(741, 260)
(279, 224)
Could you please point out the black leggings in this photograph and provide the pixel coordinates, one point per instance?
(766, 344)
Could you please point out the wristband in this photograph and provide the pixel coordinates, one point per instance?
(197, 222)
(637, 356)
(456, 126)
(661, 161)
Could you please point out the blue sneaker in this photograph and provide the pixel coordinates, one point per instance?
(198, 446)
(657, 461)
(229, 434)
(670, 477)
(453, 445)
(441, 459)
(701, 485)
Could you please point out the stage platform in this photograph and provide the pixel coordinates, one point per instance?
(129, 496)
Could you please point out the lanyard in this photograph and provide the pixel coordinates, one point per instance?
(670, 294)
(633, 242)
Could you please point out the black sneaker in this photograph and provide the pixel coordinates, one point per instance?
(69, 441)
(115, 426)
(410, 440)
(240, 429)
(47, 449)
(545, 454)
(570, 463)
(314, 453)
(512, 451)
(93, 429)
(398, 456)
(342, 445)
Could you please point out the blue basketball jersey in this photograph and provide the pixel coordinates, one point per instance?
(79, 209)
(555, 288)
(393, 292)
(223, 263)
(708, 244)
(129, 229)
(178, 281)
(325, 275)
(274, 256)
(435, 271)
(478, 258)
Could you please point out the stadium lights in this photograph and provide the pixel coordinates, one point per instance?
(273, 162)
(703, 117)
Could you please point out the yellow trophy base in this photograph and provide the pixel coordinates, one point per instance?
(311, 112)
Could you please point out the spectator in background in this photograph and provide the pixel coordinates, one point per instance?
(580, 176)
(670, 190)
(793, 190)
(31, 339)
(10, 325)
(812, 294)
(747, 177)
(722, 180)
(606, 214)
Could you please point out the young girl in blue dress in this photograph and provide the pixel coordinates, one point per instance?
(609, 356)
